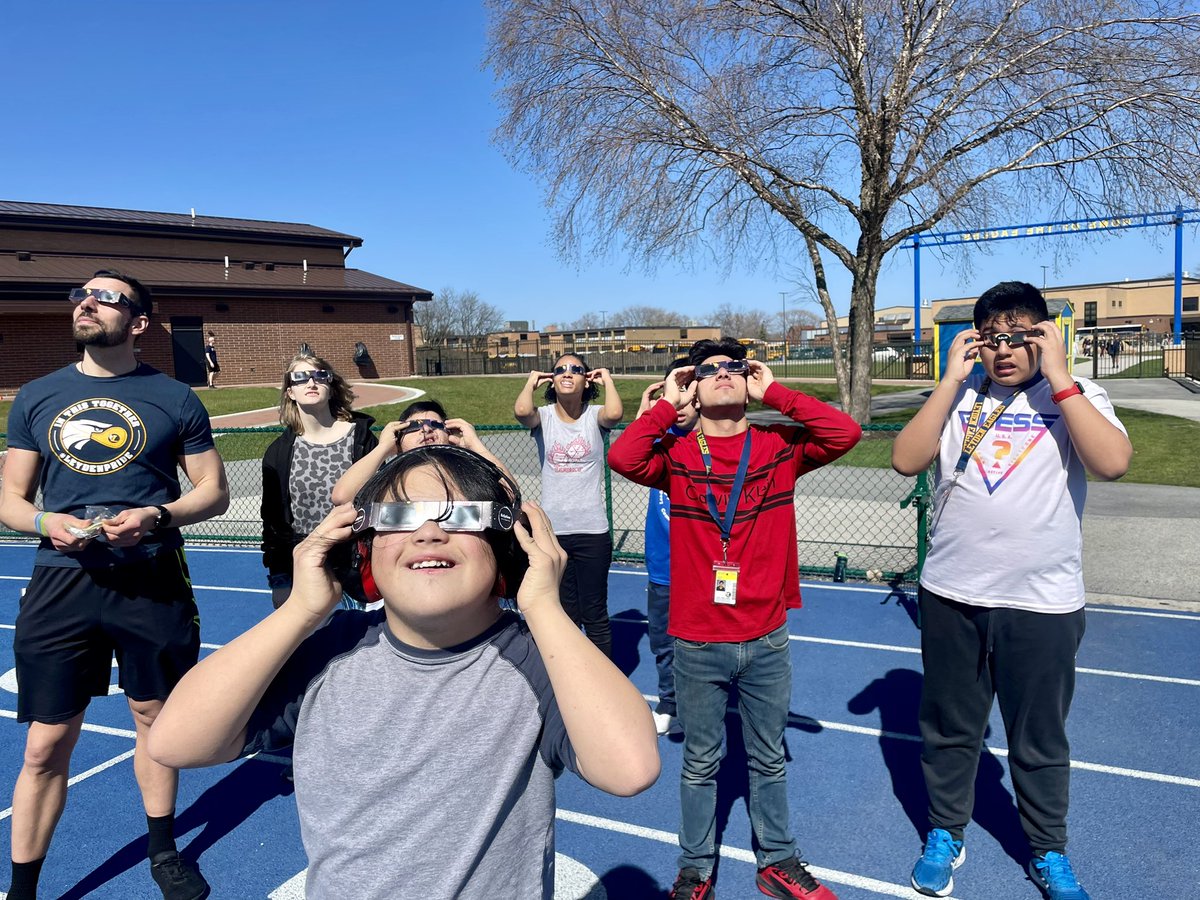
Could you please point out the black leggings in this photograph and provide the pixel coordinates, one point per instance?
(1024, 659)
(585, 585)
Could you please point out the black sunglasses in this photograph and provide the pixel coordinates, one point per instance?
(418, 424)
(732, 366)
(111, 298)
(320, 376)
(1013, 339)
(574, 370)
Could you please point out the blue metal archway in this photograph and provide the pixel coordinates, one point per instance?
(1177, 218)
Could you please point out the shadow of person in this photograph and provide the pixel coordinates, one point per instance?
(628, 628)
(220, 809)
(631, 882)
(897, 696)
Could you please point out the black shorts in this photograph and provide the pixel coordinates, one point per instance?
(72, 621)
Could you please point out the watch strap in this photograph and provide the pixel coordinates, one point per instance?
(164, 517)
(1062, 395)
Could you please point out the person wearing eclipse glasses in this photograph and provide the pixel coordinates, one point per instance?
(464, 712)
(1001, 591)
(103, 439)
(421, 424)
(324, 437)
(569, 433)
(734, 575)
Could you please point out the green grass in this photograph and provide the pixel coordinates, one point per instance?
(1164, 447)
(223, 401)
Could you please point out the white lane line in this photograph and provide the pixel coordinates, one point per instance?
(232, 590)
(669, 837)
(1133, 676)
(97, 729)
(94, 770)
(867, 731)
(1137, 612)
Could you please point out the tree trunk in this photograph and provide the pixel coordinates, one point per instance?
(862, 332)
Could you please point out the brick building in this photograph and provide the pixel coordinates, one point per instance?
(262, 288)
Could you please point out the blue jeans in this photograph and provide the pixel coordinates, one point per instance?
(704, 675)
(662, 645)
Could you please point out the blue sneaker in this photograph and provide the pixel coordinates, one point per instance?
(1051, 872)
(933, 875)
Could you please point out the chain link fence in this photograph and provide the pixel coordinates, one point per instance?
(873, 515)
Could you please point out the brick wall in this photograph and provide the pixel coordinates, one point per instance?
(255, 338)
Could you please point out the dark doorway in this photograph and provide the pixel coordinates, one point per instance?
(187, 345)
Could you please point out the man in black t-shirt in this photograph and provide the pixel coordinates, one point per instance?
(102, 439)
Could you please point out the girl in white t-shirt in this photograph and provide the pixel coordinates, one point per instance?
(570, 439)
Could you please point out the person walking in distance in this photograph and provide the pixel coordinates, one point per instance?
(211, 366)
(109, 579)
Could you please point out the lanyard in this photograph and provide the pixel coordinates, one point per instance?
(974, 433)
(735, 492)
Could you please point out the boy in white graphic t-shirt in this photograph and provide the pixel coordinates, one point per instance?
(1001, 591)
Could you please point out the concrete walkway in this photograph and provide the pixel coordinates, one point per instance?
(365, 394)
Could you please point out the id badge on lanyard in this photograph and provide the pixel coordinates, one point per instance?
(725, 583)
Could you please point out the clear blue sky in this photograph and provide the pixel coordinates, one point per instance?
(373, 118)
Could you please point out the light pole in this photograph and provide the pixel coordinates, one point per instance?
(1044, 268)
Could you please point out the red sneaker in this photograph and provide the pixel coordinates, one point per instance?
(788, 879)
(690, 886)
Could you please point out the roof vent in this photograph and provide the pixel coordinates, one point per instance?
(247, 265)
(24, 255)
(270, 267)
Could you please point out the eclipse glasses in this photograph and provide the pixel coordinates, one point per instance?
(1013, 339)
(732, 366)
(320, 376)
(450, 515)
(110, 298)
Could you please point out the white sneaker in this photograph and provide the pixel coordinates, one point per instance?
(665, 723)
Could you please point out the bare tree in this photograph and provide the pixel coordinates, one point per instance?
(739, 322)
(462, 314)
(785, 130)
(648, 316)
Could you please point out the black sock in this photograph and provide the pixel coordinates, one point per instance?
(25, 879)
(162, 834)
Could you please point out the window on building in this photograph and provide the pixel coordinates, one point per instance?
(1191, 304)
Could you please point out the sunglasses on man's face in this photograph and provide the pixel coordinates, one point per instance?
(1013, 339)
(732, 366)
(450, 515)
(111, 298)
(417, 424)
(320, 376)
(573, 370)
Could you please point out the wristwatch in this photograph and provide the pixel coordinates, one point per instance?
(1062, 395)
(164, 518)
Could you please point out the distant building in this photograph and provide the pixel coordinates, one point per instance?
(262, 287)
(611, 339)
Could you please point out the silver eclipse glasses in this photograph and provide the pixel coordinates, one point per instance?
(450, 515)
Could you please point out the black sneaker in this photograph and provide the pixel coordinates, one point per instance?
(176, 877)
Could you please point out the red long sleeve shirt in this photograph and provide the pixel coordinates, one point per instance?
(763, 539)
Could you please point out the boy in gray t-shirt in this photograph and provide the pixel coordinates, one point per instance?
(462, 714)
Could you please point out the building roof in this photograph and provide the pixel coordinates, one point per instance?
(92, 218)
(42, 273)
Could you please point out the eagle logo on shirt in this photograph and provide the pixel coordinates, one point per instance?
(96, 436)
(1007, 444)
